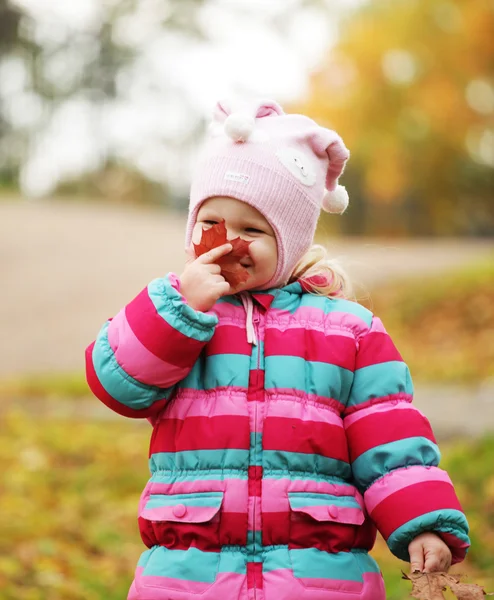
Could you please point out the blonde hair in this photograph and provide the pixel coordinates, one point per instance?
(321, 275)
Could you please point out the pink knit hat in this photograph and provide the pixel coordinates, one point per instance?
(285, 166)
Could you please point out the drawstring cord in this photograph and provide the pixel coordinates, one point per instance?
(249, 321)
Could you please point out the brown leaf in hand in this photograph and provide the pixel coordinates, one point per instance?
(430, 586)
(231, 269)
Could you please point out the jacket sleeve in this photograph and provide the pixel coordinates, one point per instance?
(146, 349)
(394, 454)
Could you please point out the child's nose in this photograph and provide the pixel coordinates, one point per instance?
(232, 232)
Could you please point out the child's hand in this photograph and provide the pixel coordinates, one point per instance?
(201, 283)
(428, 553)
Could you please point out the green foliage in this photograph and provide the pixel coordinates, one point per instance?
(440, 323)
(52, 385)
(68, 503)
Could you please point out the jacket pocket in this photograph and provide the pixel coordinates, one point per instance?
(179, 521)
(323, 529)
(327, 508)
(324, 521)
(182, 532)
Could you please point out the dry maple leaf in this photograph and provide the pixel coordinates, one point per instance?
(231, 269)
(430, 586)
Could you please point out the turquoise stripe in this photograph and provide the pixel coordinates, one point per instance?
(171, 307)
(197, 475)
(380, 380)
(303, 499)
(366, 563)
(189, 565)
(205, 499)
(257, 356)
(226, 458)
(308, 376)
(446, 520)
(233, 300)
(298, 461)
(255, 449)
(313, 563)
(230, 560)
(254, 546)
(218, 370)
(286, 300)
(119, 384)
(378, 461)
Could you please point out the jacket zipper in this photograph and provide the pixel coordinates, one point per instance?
(255, 319)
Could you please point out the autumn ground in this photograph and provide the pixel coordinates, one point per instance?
(71, 481)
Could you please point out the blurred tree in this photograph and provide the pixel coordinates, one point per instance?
(89, 86)
(410, 87)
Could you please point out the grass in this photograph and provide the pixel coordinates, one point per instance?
(443, 326)
(68, 501)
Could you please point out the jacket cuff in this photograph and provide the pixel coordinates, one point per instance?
(407, 502)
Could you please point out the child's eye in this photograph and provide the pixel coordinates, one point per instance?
(208, 222)
(253, 230)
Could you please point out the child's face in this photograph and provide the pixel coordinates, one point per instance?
(244, 221)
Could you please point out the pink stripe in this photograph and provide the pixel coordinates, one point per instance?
(280, 394)
(282, 585)
(344, 514)
(230, 314)
(254, 513)
(314, 318)
(299, 408)
(136, 360)
(398, 397)
(275, 492)
(158, 336)
(226, 586)
(212, 403)
(192, 514)
(379, 408)
(234, 498)
(400, 479)
(377, 326)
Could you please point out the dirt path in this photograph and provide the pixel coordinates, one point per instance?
(65, 268)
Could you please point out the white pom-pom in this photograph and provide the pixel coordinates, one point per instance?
(335, 202)
(239, 126)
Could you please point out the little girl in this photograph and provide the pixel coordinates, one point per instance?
(283, 429)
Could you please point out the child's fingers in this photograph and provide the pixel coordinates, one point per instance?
(416, 552)
(224, 288)
(190, 255)
(436, 562)
(212, 255)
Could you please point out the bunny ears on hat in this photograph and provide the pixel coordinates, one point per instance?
(240, 126)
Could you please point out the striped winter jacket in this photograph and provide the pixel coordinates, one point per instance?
(271, 464)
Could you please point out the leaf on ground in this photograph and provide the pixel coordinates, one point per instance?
(231, 269)
(430, 586)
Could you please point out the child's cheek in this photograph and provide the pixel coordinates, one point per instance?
(196, 233)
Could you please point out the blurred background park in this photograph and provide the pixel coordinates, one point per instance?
(103, 104)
